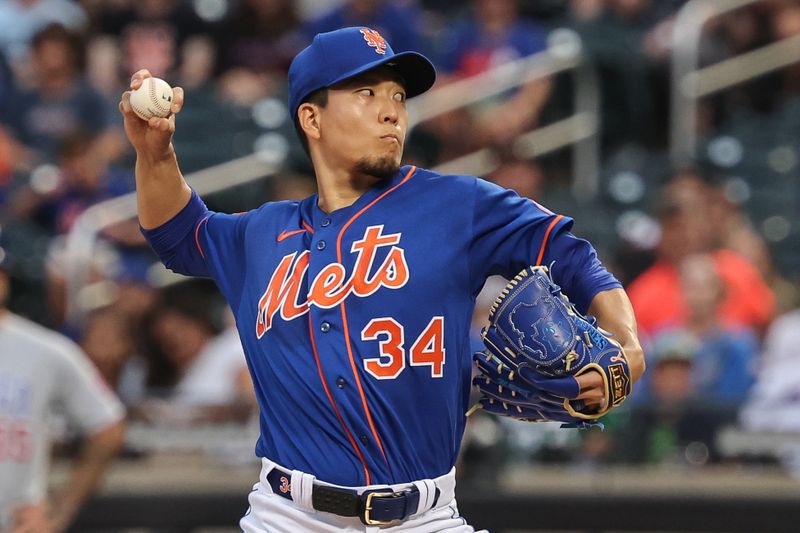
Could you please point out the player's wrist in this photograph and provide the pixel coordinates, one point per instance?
(154, 158)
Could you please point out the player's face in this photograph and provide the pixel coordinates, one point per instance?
(363, 126)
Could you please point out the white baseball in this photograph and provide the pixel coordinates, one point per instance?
(153, 98)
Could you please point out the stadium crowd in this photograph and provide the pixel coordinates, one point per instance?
(708, 249)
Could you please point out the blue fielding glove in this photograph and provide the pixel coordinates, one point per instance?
(537, 343)
(504, 393)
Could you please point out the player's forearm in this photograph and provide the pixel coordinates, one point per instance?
(161, 191)
(97, 453)
(614, 313)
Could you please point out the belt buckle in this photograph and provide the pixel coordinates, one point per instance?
(368, 507)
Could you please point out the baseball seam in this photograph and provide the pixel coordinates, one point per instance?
(142, 113)
(155, 100)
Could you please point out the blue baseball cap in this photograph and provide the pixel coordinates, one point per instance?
(335, 56)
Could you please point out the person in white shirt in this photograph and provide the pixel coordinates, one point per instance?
(211, 380)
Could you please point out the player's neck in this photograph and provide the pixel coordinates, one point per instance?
(339, 188)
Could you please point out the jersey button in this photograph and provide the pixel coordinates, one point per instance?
(325, 327)
(321, 245)
(363, 439)
(326, 223)
(340, 382)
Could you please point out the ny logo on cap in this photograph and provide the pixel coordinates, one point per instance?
(375, 40)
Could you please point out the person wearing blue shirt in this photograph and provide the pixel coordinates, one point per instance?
(399, 23)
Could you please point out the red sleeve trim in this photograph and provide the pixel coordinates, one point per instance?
(546, 237)
(197, 237)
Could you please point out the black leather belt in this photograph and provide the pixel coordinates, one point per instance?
(373, 507)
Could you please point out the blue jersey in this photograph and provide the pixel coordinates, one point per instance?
(356, 323)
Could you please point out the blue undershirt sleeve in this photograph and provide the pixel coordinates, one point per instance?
(175, 242)
(577, 269)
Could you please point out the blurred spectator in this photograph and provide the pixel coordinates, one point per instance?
(150, 45)
(261, 40)
(177, 16)
(84, 178)
(741, 31)
(151, 33)
(20, 20)
(524, 177)
(723, 358)
(724, 362)
(399, 22)
(583, 11)
(672, 358)
(244, 88)
(104, 69)
(785, 20)
(698, 375)
(8, 89)
(209, 366)
(631, 83)
(12, 156)
(734, 231)
(670, 423)
(108, 342)
(41, 371)
(686, 230)
(137, 297)
(8, 146)
(493, 35)
(61, 102)
(198, 63)
(262, 36)
(774, 404)
(651, 436)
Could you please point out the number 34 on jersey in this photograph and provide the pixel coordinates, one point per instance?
(330, 288)
(427, 350)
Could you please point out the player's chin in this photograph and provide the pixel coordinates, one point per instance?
(382, 167)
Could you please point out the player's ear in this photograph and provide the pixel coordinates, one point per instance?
(308, 118)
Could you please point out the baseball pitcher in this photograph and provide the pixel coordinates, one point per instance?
(353, 305)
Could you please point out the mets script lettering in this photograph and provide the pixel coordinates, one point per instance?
(331, 286)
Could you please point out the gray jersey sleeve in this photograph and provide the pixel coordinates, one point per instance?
(42, 372)
(82, 394)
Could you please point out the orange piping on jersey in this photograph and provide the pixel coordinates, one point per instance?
(197, 236)
(333, 403)
(546, 236)
(286, 234)
(308, 228)
(344, 312)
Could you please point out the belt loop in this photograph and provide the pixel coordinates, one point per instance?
(428, 494)
(302, 489)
